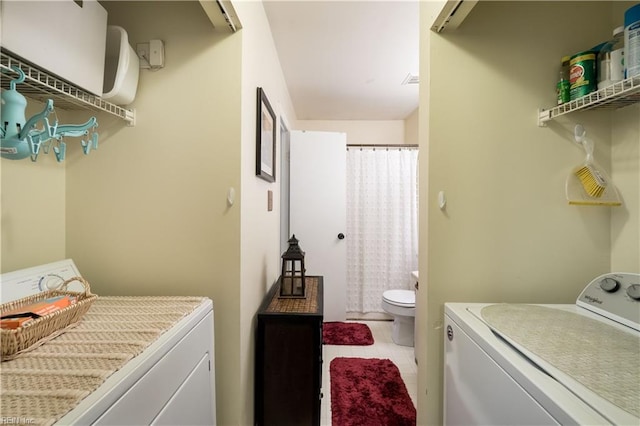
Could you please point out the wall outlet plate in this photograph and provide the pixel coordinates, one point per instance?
(156, 53)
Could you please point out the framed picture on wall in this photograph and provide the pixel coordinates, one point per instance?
(265, 139)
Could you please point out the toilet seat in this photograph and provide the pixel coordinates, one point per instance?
(402, 298)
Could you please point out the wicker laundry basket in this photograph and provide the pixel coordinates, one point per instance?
(40, 330)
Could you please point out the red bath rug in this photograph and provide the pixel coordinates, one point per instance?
(346, 333)
(369, 391)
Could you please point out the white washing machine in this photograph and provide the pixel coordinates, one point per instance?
(518, 364)
(171, 382)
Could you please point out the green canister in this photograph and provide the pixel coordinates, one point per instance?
(582, 74)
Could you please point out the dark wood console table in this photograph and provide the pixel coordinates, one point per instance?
(288, 369)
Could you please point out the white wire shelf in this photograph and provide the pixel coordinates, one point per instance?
(41, 86)
(618, 95)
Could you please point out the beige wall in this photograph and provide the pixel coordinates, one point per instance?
(428, 12)
(260, 235)
(369, 132)
(147, 213)
(390, 132)
(508, 234)
(625, 220)
(411, 126)
(32, 205)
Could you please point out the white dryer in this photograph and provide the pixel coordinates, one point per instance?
(169, 382)
(518, 364)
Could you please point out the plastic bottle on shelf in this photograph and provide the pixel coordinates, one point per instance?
(611, 60)
(617, 55)
(563, 86)
(632, 41)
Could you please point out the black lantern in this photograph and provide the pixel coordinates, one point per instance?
(292, 278)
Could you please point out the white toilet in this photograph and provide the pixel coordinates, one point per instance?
(401, 304)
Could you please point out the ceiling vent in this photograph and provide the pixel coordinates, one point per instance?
(411, 79)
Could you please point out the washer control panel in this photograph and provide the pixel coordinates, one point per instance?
(26, 282)
(615, 296)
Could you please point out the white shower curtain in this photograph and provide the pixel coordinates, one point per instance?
(382, 224)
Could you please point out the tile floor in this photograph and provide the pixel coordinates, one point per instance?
(383, 347)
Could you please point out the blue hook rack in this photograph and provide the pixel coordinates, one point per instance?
(19, 137)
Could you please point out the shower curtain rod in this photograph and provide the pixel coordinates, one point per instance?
(381, 146)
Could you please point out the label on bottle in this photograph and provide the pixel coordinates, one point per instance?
(632, 49)
(617, 65)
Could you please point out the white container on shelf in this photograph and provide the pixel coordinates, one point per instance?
(122, 68)
(632, 41)
(611, 60)
(62, 37)
(617, 55)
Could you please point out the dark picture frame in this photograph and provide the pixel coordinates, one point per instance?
(265, 139)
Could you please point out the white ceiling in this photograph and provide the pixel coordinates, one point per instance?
(347, 60)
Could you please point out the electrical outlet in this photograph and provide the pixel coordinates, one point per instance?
(156, 53)
(142, 49)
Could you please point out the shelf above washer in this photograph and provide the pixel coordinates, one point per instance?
(41, 86)
(618, 95)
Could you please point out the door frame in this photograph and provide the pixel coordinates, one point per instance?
(285, 139)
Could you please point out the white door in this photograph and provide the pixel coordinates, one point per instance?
(318, 216)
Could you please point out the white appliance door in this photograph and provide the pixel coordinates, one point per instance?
(477, 391)
(318, 215)
(191, 404)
